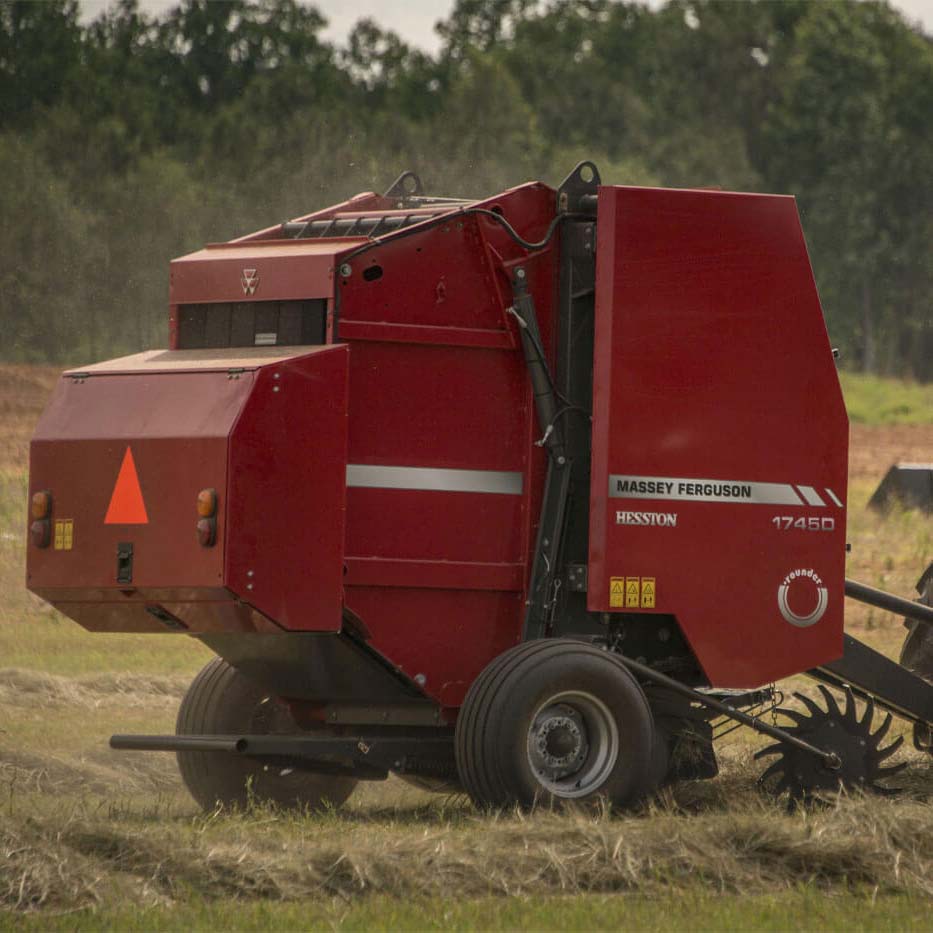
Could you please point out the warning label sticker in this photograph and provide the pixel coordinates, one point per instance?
(64, 534)
(647, 592)
(616, 592)
(633, 592)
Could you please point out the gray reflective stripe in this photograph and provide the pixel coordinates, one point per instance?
(834, 497)
(429, 478)
(811, 495)
(701, 490)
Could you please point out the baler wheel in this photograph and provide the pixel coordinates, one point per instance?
(804, 776)
(552, 722)
(221, 701)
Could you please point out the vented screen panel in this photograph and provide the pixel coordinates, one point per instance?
(252, 324)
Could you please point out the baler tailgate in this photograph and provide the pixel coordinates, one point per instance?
(125, 447)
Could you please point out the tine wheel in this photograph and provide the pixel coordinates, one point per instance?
(804, 776)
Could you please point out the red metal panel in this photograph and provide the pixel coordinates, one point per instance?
(437, 381)
(281, 270)
(437, 278)
(435, 336)
(404, 524)
(285, 505)
(186, 416)
(713, 364)
(116, 613)
(447, 636)
(434, 574)
(437, 406)
(176, 428)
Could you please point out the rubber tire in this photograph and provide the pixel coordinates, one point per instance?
(221, 701)
(492, 728)
(917, 656)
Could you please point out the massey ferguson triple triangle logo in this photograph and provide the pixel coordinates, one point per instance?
(250, 281)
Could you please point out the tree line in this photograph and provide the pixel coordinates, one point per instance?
(132, 139)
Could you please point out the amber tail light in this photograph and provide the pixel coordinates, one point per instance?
(40, 508)
(207, 520)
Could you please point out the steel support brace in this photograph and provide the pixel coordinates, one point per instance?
(547, 551)
(557, 486)
(873, 597)
(829, 758)
(871, 674)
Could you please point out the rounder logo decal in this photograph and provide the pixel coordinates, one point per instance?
(806, 590)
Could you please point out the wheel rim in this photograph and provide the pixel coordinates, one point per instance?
(573, 744)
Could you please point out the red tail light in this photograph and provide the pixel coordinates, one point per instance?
(40, 508)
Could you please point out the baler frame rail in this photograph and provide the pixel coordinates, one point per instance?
(829, 758)
(870, 675)
(366, 757)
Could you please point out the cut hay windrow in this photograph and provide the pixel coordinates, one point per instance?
(25, 688)
(78, 861)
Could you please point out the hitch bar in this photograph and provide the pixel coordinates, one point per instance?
(373, 756)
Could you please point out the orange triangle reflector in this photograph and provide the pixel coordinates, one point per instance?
(126, 501)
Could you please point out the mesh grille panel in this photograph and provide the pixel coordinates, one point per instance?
(252, 324)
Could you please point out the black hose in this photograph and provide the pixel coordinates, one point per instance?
(482, 211)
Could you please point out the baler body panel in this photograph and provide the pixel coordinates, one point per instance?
(279, 270)
(396, 471)
(286, 502)
(444, 479)
(126, 446)
(719, 432)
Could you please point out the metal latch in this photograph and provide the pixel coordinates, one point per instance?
(125, 562)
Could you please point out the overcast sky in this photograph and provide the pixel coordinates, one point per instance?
(414, 19)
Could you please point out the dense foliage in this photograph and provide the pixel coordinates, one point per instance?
(132, 139)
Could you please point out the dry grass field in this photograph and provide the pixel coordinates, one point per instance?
(90, 839)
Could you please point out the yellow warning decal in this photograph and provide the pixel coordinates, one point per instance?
(64, 534)
(616, 592)
(633, 592)
(648, 592)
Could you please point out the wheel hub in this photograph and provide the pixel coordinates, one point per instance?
(558, 741)
(573, 744)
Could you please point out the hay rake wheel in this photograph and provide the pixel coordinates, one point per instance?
(803, 776)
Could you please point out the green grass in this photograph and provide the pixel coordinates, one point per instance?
(875, 400)
(800, 909)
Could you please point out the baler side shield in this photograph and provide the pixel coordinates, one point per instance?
(719, 431)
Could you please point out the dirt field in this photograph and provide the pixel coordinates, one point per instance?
(92, 839)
